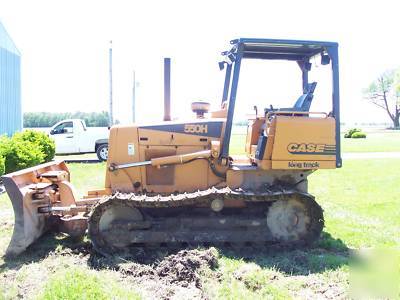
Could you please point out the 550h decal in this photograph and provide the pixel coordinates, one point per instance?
(209, 129)
(196, 128)
(310, 148)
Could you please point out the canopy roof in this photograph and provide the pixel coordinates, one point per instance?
(279, 49)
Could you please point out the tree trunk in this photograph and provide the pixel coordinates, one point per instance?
(396, 121)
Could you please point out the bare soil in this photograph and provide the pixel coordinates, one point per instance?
(163, 275)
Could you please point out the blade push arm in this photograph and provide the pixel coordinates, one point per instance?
(166, 160)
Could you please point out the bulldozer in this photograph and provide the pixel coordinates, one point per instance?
(175, 181)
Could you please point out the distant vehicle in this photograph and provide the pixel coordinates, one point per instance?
(72, 136)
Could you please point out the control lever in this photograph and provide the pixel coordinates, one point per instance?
(255, 108)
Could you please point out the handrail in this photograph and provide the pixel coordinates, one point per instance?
(293, 113)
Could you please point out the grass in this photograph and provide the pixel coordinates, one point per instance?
(87, 176)
(241, 280)
(361, 201)
(386, 141)
(79, 283)
(361, 208)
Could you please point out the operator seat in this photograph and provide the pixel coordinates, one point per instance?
(304, 101)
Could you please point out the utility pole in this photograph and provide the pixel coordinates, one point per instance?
(167, 89)
(110, 111)
(134, 98)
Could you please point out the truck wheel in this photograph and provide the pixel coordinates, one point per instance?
(102, 152)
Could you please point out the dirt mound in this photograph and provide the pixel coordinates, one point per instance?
(182, 267)
(173, 276)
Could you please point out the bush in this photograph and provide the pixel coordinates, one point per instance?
(2, 165)
(41, 140)
(22, 154)
(358, 135)
(350, 132)
(25, 150)
(355, 133)
(5, 144)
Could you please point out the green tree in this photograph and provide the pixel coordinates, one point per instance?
(384, 92)
(46, 119)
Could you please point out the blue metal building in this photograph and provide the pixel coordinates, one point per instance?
(10, 85)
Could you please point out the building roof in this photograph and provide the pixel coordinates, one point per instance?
(6, 42)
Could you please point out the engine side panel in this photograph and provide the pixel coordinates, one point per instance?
(168, 179)
(129, 144)
(123, 148)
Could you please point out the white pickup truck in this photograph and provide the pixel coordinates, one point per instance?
(72, 136)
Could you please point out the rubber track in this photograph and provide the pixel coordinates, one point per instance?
(202, 198)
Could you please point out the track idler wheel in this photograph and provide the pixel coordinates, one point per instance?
(110, 223)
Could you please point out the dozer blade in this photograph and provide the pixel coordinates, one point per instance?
(24, 189)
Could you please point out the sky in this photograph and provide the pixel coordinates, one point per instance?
(65, 44)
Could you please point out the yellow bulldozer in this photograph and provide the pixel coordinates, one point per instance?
(175, 182)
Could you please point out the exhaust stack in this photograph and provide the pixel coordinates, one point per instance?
(167, 89)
